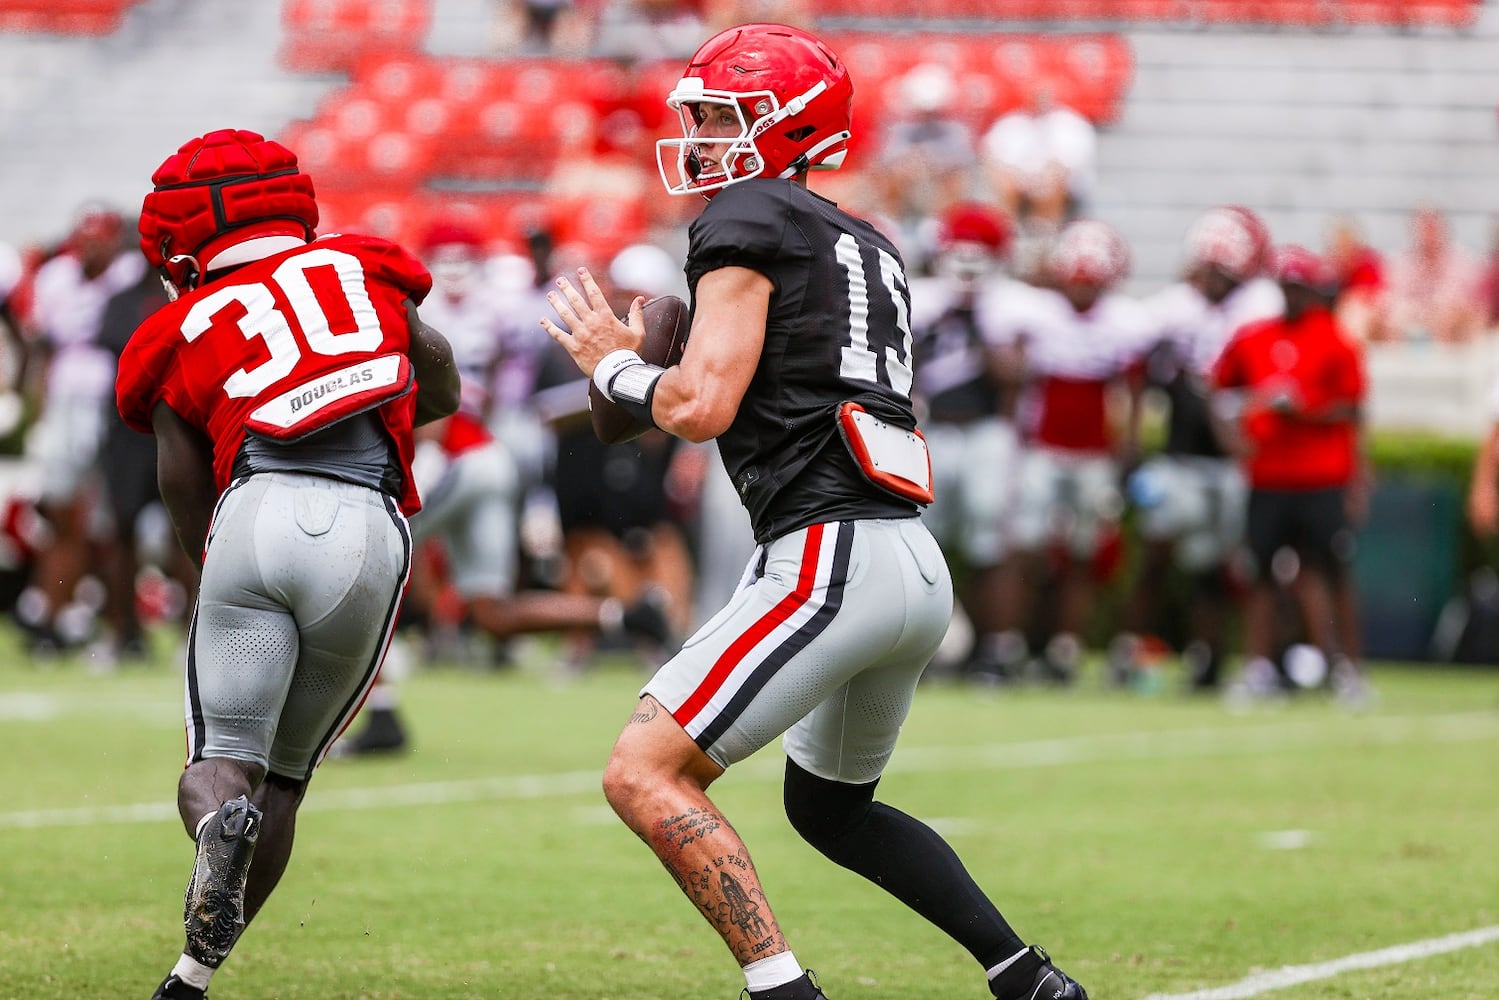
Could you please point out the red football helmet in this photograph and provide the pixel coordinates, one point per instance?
(1296, 265)
(1257, 230)
(972, 239)
(1090, 253)
(454, 252)
(974, 222)
(791, 96)
(1230, 239)
(217, 191)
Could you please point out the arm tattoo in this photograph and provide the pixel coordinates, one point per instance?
(644, 713)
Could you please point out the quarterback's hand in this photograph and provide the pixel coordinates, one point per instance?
(590, 329)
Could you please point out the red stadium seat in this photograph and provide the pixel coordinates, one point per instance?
(605, 225)
(333, 35)
(396, 77)
(996, 73)
(399, 214)
(64, 17)
(1448, 13)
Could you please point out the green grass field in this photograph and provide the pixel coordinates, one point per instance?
(1155, 845)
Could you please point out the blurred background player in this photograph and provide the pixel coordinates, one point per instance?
(75, 375)
(282, 383)
(968, 388)
(467, 533)
(128, 464)
(1040, 161)
(1296, 382)
(623, 510)
(927, 155)
(1190, 497)
(1079, 341)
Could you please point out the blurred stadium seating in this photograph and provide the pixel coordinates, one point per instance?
(64, 17)
(1302, 108)
(331, 35)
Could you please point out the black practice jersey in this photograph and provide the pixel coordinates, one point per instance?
(838, 330)
(1189, 423)
(952, 348)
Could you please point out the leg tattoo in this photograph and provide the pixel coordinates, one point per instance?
(712, 867)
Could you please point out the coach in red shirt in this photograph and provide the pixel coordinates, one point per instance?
(1296, 385)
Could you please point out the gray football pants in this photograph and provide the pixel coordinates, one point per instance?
(825, 643)
(302, 580)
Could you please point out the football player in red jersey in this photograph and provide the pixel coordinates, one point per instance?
(799, 364)
(1296, 385)
(283, 383)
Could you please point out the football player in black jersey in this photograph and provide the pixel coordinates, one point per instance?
(799, 364)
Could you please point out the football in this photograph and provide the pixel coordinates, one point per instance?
(665, 336)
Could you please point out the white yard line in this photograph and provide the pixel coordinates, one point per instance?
(39, 706)
(1295, 975)
(1225, 741)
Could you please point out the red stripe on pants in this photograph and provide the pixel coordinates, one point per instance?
(751, 637)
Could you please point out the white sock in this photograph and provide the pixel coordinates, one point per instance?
(203, 822)
(768, 973)
(192, 972)
(1002, 966)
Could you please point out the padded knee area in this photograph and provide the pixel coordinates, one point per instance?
(824, 811)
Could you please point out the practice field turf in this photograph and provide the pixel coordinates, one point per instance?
(1157, 846)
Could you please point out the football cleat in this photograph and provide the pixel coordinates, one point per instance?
(802, 988)
(172, 988)
(646, 619)
(382, 733)
(1037, 979)
(214, 910)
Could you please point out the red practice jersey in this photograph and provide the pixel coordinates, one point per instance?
(1314, 362)
(285, 345)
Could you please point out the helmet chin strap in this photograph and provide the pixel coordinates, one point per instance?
(180, 274)
(800, 163)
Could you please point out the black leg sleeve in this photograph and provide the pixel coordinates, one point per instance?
(901, 855)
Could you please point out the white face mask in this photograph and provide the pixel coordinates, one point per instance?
(967, 263)
(455, 271)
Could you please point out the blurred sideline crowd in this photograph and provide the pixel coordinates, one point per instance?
(1170, 472)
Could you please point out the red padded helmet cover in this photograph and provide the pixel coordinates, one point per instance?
(222, 188)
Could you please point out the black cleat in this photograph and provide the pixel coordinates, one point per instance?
(646, 619)
(1035, 978)
(803, 988)
(172, 988)
(214, 912)
(382, 733)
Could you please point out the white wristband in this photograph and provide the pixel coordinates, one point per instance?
(611, 365)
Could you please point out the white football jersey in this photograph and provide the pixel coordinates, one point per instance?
(1060, 341)
(1199, 329)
